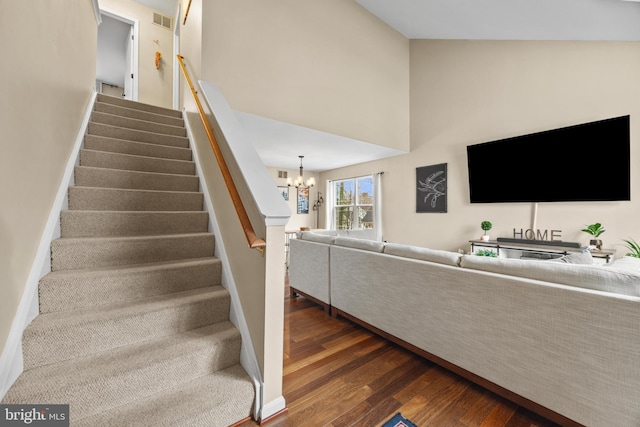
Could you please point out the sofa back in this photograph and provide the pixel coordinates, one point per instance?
(597, 277)
(309, 268)
(568, 349)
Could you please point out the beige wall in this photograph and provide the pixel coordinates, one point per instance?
(467, 92)
(154, 86)
(327, 65)
(191, 49)
(46, 82)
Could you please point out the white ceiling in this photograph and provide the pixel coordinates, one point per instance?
(280, 144)
(511, 19)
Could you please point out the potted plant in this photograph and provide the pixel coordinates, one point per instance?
(486, 226)
(486, 252)
(595, 230)
(634, 248)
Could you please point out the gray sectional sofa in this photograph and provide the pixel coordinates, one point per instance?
(558, 337)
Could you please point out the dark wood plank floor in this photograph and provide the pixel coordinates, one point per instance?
(339, 374)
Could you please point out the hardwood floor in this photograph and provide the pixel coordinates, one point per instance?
(339, 374)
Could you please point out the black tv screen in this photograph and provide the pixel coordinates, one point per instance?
(586, 162)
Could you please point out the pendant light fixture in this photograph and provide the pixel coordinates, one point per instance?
(299, 182)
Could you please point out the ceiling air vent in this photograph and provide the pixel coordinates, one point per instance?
(282, 174)
(163, 21)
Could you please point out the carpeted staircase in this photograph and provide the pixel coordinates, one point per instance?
(134, 325)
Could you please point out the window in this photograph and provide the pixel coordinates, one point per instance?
(353, 204)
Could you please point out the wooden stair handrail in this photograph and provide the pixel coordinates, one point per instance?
(254, 241)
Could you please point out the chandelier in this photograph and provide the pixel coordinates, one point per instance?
(299, 182)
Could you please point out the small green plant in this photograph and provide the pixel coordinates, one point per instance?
(486, 252)
(594, 229)
(634, 248)
(486, 226)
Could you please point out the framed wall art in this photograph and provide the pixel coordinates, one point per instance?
(303, 200)
(284, 190)
(431, 188)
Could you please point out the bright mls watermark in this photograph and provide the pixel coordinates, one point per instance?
(34, 415)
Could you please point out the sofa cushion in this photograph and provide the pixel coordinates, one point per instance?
(575, 258)
(626, 264)
(424, 254)
(366, 245)
(318, 237)
(595, 277)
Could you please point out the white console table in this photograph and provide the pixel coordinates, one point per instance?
(536, 251)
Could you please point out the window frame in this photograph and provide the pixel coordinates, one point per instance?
(356, 203)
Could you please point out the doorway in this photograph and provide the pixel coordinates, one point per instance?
(117, 58)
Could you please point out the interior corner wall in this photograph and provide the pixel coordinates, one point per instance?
(155, 86)
(468, 92)
(297, 220)
(47, 82)
(329, 65)
(190, 49)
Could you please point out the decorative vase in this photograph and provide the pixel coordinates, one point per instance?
(596, 242)
(484, 237)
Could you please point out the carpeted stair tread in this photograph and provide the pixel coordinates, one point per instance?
(123, 146)
(117, 199)
(137, 124)
(110, 131)
(58, 336)
(119, 110)
(111, 160)
(109, 378)
(93, 252)
(216, 400)
(138, 105)
(89, 176)
(87, 223)
(77, 289)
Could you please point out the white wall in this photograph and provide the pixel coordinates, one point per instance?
(112, 40)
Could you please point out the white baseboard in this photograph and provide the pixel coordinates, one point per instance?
(272, 408)
(11, 362)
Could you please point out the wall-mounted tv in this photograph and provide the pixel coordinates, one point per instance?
(585, 162)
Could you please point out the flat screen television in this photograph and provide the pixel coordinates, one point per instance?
(585, 162)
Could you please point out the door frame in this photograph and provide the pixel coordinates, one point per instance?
(176, 51)
(135, 23)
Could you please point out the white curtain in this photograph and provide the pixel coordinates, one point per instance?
(329, 210)
(377, 205)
